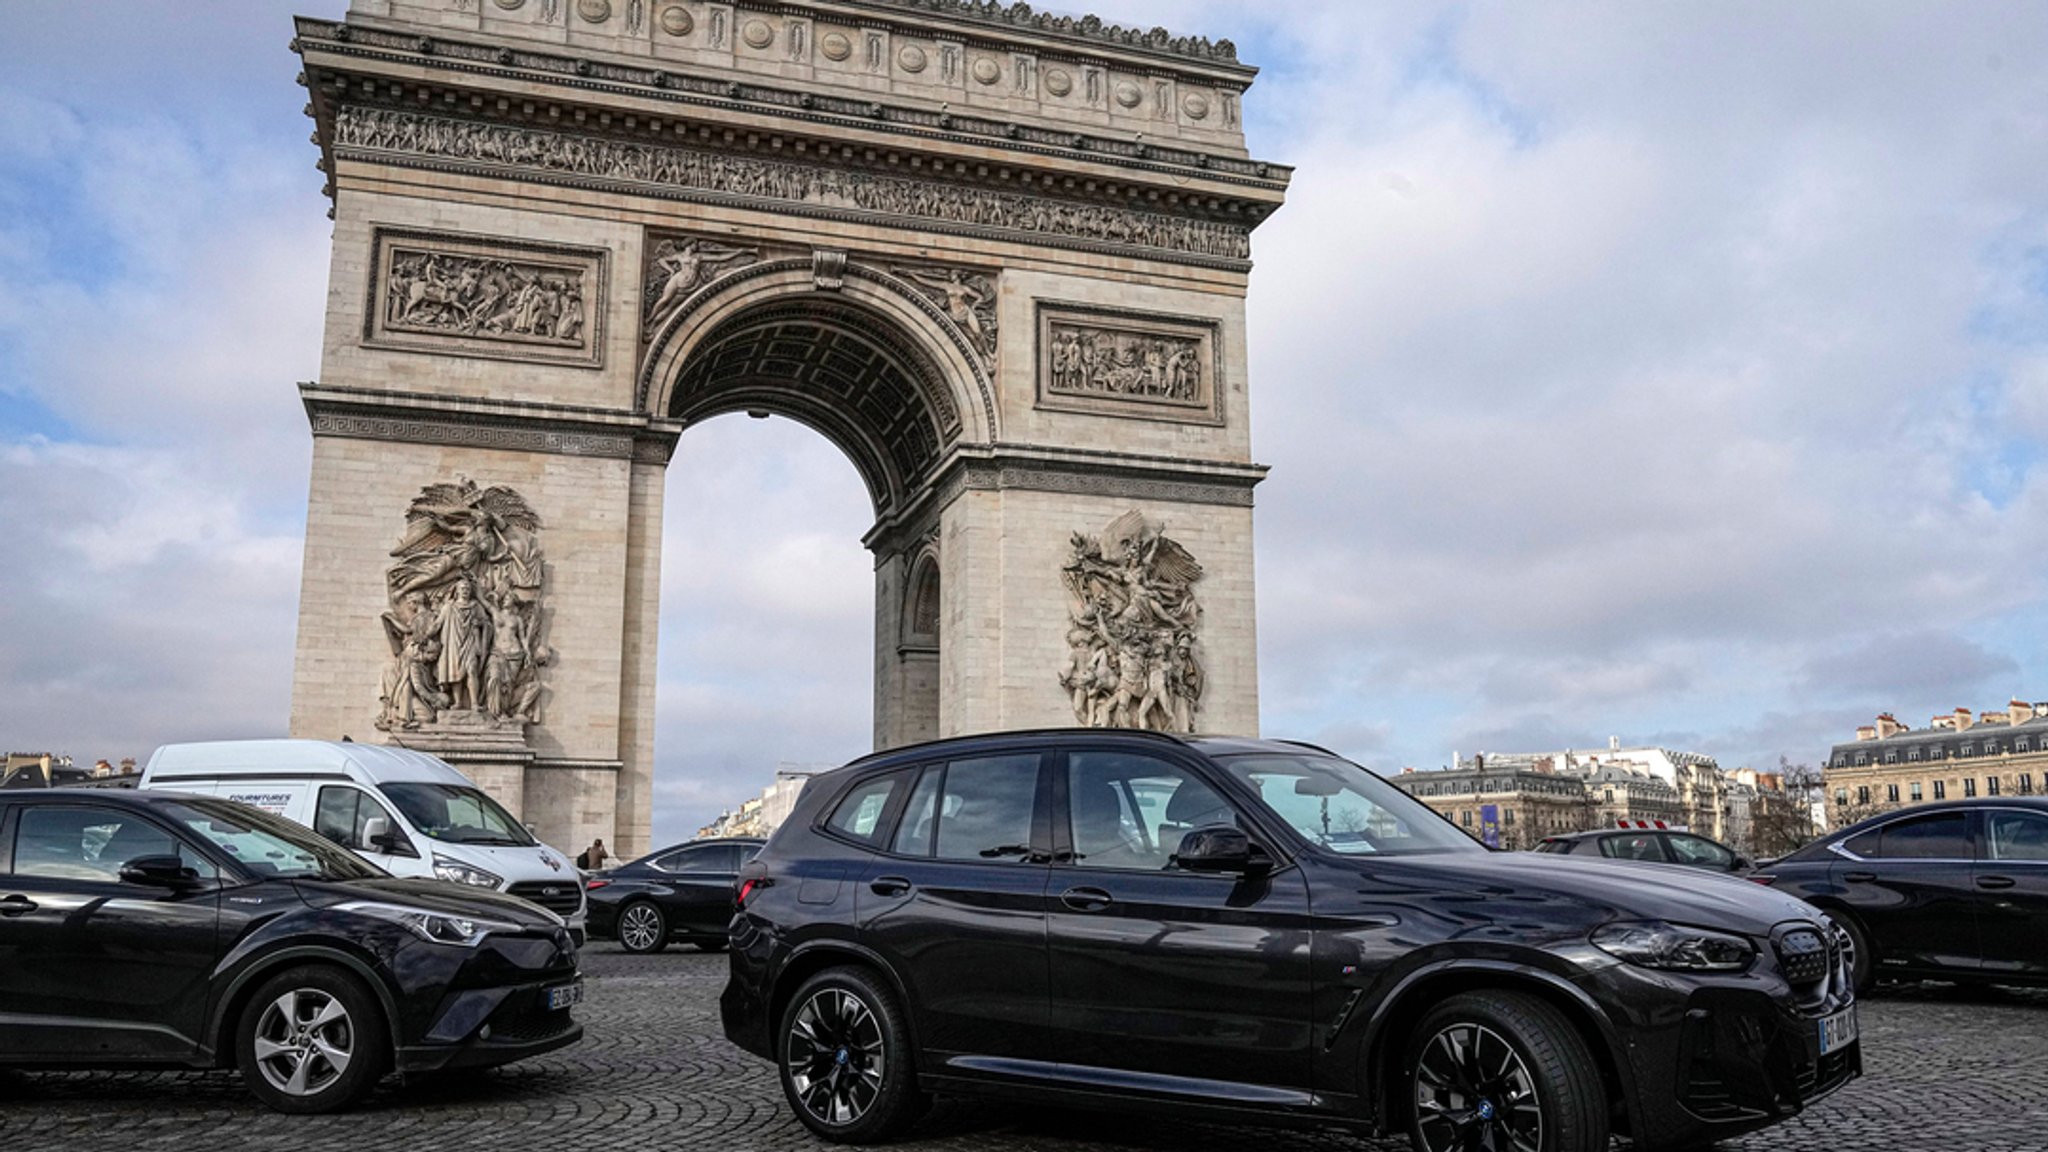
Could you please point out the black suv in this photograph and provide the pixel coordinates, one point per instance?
(1265, 929)
(154, 929)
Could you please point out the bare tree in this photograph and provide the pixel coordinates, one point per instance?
(1782, 822)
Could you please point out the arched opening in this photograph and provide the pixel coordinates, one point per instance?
(856, 378)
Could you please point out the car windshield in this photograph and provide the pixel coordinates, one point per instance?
(269, 846)
(457, 814)
(1340, 806)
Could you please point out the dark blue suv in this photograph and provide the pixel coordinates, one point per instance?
(1259, 929)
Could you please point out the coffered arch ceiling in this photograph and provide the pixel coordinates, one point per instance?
(837, 367)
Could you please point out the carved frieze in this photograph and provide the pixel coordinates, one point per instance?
(1134, 656)
(968, 299)
(1119, 362)
(676, 266)
(478, 296)
(464, 620)
(590, 160)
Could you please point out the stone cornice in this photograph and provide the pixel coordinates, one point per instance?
(1089, 32)
(676, 86)
(515, 426)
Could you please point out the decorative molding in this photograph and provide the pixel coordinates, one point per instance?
(455, 431)
(1128, 483)
(383, 135)
(484, 296)
(828, 269)
(1086, 28)
(1120, 362)
(565, 764)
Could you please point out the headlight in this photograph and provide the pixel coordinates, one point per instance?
(456, 872)
(1675, 947)
(433, 927)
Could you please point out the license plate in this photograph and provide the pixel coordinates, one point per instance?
(564, 995)
(1838, 1031)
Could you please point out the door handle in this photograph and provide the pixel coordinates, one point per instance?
(1085, 899)
(1994, 881)
(16, 905)
(889, 885)
(1859, 877)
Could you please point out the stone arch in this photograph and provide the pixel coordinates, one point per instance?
(858, 302)
(921, 604)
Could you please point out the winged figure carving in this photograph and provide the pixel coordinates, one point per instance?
(1134, 658)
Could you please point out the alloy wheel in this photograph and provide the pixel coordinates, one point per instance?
(1473, 1093)
(640, 927)
(304, 1042)
(835, 1056)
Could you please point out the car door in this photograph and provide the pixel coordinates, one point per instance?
(699, 881)
(954, 900)
(2012, 893)
(1912, 884)
(1196, 982)
(92, 966)
(1698, 852)
(359, 822)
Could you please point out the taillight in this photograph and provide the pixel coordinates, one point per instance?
(594, 885)
(1760, 878)
(747, 887)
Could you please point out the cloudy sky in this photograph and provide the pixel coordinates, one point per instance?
(1670, 371)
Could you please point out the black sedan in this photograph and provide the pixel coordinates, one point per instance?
(1650, 845)
(159, 930)
(679, 893)
(1953, 891)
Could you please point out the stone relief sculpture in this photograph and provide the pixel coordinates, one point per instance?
(677, 267)
(969, 299)
(464, 622)
(1133, 659)
(1095, 361)
(443, 293)
(960, 205)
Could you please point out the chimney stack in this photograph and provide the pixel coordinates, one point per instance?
(2020, 711)
(1888, 725)
(1964, 719)
(1866, 733)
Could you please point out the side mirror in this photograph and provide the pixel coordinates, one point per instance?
(377, 830)
(1742, 863)
(1218, 848)
(159, 872)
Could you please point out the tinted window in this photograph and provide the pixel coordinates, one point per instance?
(985, 808)
(1634, 846)
(343, 815)
(1554, 846)
(1130, 811)
(914, 832)
(860, 812)
(1940, 837)
(1699, 853)
(2018, 836)
(715, 858)
(84, 843)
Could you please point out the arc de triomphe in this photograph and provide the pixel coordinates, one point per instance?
(999, 258)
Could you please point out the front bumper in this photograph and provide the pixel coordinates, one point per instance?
(495, 1009)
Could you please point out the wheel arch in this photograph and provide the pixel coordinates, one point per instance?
(1402, 1009)
(812, 958)
(228, 1010)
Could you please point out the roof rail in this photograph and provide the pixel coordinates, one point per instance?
(1008, 733)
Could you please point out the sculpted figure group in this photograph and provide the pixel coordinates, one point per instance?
(465, 617)
(1133, 657)
(1095, 361)
(473, 296)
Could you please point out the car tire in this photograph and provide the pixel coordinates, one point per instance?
(1528, 1075)
(1863, 973)
(643, 928)
(843, 1053)
(311, 1039)
(716, 945)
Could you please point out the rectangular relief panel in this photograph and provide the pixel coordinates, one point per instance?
(480, 296)
(1116, 362)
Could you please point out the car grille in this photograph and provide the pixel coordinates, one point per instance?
(528, 1027)
(562, 897)
(1803, 957)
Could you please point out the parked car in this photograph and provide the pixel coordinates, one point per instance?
(684, 892)
(1255, 928)
(1650, 845)
(1955, 890)
(408, 813)
(161, 930)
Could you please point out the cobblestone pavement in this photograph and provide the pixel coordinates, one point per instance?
(1946, 1069)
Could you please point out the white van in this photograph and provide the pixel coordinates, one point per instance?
(406, 812)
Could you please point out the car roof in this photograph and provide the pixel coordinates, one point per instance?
(288, 758)
(2032, 803)
(1219, 745)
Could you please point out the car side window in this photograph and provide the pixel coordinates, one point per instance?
(860, 811)
(2018, 836)
(89, 843)
(343, 815)
(1942, 836)
(1130, 811)
(1635, 846)
(1699, 853)
(710, 858)
(979, 809)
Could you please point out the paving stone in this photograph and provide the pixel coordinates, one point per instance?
(1945, 1068)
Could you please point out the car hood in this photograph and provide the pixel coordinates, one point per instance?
(433, 896)
(514, 862)
(1601, 890)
